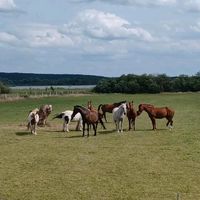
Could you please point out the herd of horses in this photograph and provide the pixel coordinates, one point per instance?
(89, 116)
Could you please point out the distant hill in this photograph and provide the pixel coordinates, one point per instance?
(30, 79)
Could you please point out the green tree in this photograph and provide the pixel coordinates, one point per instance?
(4, 89)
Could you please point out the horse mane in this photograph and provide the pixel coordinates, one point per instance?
(82, 107)
(99, 107)
(148, 105)
(119, 103)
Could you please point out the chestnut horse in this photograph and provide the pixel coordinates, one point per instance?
(157, 113)
(109, 108)
(93, 109)
(89, 117)
(131, 115)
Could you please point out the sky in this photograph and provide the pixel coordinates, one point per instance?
(100, 37)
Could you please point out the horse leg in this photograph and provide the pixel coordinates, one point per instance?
(28, 126)
(64, 126)
(83, 129)
(67, 125)
(129, 124)
(121, 122)
(88, 127)
(118, 126)
(34, 129)
(170, 121)
(153, 123)
(102, 124)
(94, 128)
(133, 122)
(104, 114)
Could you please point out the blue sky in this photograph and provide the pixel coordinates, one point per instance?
(100, 37)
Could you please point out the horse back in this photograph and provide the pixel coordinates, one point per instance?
(108, 108)
(162, 112)
(91, 117)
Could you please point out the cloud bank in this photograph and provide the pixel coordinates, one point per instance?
(7, 5)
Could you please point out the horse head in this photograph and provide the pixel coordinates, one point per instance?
(124, 106)
(75, 111)
(140, 109)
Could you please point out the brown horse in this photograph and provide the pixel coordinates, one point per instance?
(131, 115)
(93, 109)
(89, 117)
(157, 113)
(108, 108)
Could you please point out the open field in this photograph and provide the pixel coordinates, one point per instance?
(145, 164)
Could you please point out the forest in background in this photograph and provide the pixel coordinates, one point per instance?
(29, 79)
(148, 83)
(129, 84)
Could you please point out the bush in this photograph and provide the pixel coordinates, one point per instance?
(4, 89)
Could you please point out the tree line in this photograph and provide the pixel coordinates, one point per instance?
(148, 83)
(30, 79)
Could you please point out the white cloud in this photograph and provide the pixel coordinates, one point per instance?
(7, 5)
(134, 2)
(196, 27)
(43, 35)
(106, 26)
(7, 38)
(190, 5)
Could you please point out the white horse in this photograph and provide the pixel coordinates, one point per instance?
(33, 119)
(66, 116)
(118, 116)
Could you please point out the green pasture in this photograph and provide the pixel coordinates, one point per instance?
(138, 165)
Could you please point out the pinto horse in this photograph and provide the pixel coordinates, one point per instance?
(157, 113)
(89, 117)
(108, 108)
(131, 115)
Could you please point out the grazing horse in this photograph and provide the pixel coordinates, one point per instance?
(66, 116)
(33, 119)
(108, 108)
(157, 113)
(89, 117)
(118, 116)
(100, 115)
(131, 115)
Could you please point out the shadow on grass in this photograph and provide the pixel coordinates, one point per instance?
(66, 135)
(151, 130)
(106, 132)
(23, 133)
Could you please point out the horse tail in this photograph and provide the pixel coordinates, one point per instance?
(59, 116)
(99, 107)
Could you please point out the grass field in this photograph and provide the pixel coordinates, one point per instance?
(141, 164)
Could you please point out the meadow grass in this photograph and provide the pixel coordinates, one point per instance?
(141, 164)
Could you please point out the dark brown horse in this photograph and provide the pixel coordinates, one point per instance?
(89, 117)
(93, 109)
(131, 114)
(108, 108)
(157, 113)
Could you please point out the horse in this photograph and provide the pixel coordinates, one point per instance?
(93, 109)
(118, 116)
(66, 116)
(44, 112)
(157, 113)
(33, 119)
(109, 108)
(89, 117)
(131, 115)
